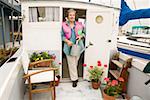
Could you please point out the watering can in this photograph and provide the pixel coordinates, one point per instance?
(76, 49)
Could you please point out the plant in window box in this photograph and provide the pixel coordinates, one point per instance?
(42, 59)
(5, 54)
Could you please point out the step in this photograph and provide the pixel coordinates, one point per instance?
(115, 73)
(119, 64)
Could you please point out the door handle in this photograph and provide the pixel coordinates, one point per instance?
(108, 41)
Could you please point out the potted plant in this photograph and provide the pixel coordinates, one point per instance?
(95, 74)
(113, 88)
(5, 54)
(42, 59)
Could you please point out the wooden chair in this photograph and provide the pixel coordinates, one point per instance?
(37, 77)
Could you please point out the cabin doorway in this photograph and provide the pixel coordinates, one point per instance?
(81, 17)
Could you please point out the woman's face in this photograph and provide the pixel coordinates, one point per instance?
(71, 16)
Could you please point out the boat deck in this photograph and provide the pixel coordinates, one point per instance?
(65, 91)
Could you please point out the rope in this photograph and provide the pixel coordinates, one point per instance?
(135, 8)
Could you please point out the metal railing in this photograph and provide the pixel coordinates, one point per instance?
(13, 3)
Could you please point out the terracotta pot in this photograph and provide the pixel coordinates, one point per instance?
(96, 85)
(107, 97)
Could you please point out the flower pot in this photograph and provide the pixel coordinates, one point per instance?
(96, 85)
(107, 97)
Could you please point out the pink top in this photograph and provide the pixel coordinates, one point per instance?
(67, 29)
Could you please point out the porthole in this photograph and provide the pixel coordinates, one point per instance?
(99, 19)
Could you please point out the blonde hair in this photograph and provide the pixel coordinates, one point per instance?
(71, 10)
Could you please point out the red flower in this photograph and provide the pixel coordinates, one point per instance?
(114, 86)
(59, 63)
(106, 79)
(84, 65)
(109, 83)
(91, 67)
(114, 82)
(99, 64)
(105, 65)
(121, 79)
(54, 57)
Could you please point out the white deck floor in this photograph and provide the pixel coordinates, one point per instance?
(65, 91)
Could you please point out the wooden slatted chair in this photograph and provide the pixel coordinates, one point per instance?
(37, 77)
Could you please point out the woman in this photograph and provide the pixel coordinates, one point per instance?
(71, 32)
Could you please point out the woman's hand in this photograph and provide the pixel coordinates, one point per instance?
(69, 43)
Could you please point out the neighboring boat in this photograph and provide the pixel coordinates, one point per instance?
(134, 45)
(137, 43)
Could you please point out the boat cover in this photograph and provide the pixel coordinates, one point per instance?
(127, 14)
(147, 68)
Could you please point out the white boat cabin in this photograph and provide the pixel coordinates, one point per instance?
(42, 26)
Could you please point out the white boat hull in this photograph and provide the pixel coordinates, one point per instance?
(134, 48)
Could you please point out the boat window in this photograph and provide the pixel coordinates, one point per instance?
(43, 14)
(99, 19)
(140, 30)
